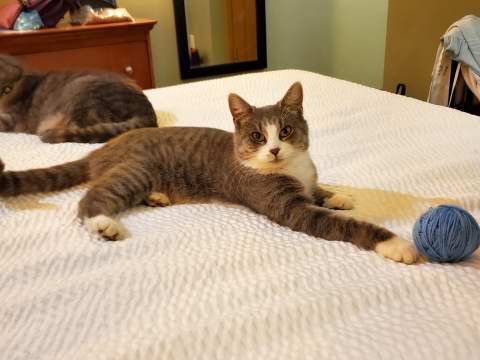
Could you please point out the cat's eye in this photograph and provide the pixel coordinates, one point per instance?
(6, 90)
(286, 132)
(257, 137)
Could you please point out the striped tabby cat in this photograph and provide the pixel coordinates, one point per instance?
(70, 106)
(264, 165)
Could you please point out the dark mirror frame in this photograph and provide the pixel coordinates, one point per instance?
(188, 72)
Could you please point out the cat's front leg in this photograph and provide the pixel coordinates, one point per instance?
(7, 123)
(330, 200)
(281, 199)
(122, 187)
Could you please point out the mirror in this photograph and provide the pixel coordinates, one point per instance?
(217, 37)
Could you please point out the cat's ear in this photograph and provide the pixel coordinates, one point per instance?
(293, 99)
(239, 108)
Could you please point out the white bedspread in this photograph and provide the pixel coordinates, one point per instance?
(216, 282)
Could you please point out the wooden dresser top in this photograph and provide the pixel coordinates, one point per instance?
(73, 36)
(67, 28)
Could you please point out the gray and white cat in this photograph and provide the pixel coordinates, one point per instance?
(264, 165)
(70, 106)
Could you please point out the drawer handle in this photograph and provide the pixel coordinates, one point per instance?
(129, 70)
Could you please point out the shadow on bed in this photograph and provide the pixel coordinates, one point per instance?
(379, 206)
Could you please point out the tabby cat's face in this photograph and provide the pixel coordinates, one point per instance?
(270, 137)
(10, 73)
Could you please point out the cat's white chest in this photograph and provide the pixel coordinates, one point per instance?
(304, 171)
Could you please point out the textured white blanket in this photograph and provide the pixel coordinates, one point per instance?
(217, 282)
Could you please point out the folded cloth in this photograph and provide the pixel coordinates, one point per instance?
(462, 42)
(440, 84)
(28, 20)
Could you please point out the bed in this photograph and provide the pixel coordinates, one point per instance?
(209, 281)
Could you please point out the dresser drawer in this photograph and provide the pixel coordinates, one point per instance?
(119, 47)
(131, 59)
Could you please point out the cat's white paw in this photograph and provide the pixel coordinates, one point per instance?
(338, 201)
(107, 227)
(398, 249)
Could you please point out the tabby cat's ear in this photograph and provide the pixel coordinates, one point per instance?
(239, 108)
(293, 99)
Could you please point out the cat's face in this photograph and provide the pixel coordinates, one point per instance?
(10, 72)
(270, 137)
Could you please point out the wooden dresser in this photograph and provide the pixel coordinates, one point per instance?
(119, 47)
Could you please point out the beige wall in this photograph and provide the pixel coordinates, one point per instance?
(206, 21)
(199, 24)
(220, 38)
(413, 34)
(300, 36)
(340, 38)
(358, 45)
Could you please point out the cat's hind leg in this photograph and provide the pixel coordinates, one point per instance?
(51, 128)
(122, 187)
(7, 123)
(156, 199)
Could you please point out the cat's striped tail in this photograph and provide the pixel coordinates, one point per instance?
(98, 133)
(59, 177)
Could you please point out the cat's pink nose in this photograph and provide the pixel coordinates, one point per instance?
(275, 151)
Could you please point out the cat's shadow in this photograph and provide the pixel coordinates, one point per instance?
(380, 206)
(28, 203)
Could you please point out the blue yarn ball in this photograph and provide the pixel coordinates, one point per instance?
(446, 234)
